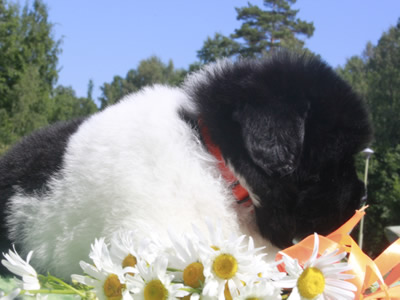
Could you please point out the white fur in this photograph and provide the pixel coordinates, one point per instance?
(135, 165)
(208, 71)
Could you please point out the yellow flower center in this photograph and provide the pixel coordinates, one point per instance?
(155, 290)
(193, 275)
(113, 288)
(311, 283)
(225, 266)
(129, 261)
(252, 298)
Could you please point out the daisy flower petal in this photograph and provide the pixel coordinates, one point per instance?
(315, 250)
(341, 284)
(230, 264)
(333, 292)
(15, 264)
(320, 277)
(107, 278)
(263, 290)
(127, 248)
(153, 282)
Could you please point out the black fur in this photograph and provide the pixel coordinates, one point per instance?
(290, 127)
(30, 164)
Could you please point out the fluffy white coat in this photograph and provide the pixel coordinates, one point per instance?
(135, 165)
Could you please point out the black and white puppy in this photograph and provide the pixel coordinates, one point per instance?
(287, 127)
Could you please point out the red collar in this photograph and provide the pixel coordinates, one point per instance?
(240, 193)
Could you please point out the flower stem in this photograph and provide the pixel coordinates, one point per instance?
(191, 290)
(173, 270)
(52, 291)
(75, 291)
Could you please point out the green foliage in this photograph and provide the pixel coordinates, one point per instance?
(262, 32)
(376, 76)
(150, 71)
(384, 85)
(355, 73)
(30, 105)
(28, 70)
(67, 106)
(383, 198)
(28, 73)
(217, 47)
(266, 30)
(90, 90)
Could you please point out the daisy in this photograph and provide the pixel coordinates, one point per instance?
(106, 278)
(320, 278)
(215, 235)
(126, 248)
(265, 271)
(262, 290)
(229, 265)
(186, 256)
(15, 264)
(151, 282)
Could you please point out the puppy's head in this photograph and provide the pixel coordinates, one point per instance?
(289, 127)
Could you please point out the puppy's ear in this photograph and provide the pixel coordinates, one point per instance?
(272, 136)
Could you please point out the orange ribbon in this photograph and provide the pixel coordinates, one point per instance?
(365, 270)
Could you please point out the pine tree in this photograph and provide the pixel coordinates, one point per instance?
(262, 31)
(90, 90)
(217, 47)
(265, 30)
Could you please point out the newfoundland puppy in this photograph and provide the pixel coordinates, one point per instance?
(278, 132)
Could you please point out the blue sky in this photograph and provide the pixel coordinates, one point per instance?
(102, 38)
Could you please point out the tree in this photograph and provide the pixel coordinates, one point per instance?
(90, 90)
(265, 30)
(261, 33)
(28, 55)
(149, 71)
(217, 47)
(30, 106)
(376, 75)
(355, 73)
(67, 106)
(112, 92)
(383, 78)
(384, 85)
